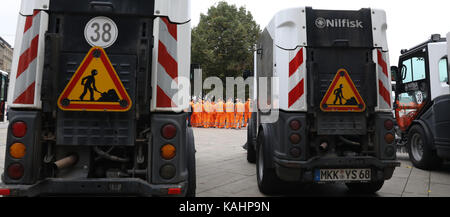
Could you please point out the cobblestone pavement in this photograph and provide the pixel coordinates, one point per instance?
(223, 171)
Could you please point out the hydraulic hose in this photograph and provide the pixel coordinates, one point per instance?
(349, 142)
(110, 157)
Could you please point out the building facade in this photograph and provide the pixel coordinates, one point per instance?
(6, 55)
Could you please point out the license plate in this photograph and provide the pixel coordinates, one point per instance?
(342, 175)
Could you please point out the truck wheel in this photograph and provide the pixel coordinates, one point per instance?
(365, 188)
(251, 152)
(192, 174)
(420, 153)
(268, 181)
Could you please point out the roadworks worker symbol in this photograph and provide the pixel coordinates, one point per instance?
(95, 86)
(342, 95)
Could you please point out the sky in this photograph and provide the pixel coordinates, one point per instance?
(410, 22)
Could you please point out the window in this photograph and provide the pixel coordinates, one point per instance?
(407, 71)
(418, 68)
(443, 73)
(414, 69)
(3, 86)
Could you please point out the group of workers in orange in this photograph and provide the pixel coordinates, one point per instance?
(220, 114)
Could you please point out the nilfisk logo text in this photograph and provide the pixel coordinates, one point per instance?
(338, 23)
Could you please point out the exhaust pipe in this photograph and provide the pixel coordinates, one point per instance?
(66, 162)
(323, 146)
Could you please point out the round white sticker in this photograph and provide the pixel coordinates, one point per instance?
(101, 32)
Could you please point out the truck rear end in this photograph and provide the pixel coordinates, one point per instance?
(335, 121)
(95, 106)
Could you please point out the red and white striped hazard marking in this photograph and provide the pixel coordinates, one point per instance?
(167, 64)
(384, 95)
(24, 88)
(296, 79)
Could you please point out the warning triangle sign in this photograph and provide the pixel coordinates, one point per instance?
(342, 95)
(95, 86)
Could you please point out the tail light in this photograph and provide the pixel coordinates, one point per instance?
(19, 129)
(388, 124)
(17, 150)
(389, 151)
(174, 191)
(168, 152)
(169, 131)
(15, 171)
(295, 152)
(295, 125)
(167, 171)
(5, 192)
(389, 138)
(295, 138)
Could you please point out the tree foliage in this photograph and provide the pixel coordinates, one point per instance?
(223, 41)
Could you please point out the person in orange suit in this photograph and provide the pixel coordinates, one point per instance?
(197, 114)
(229, 109)
(203, 114)
(208, 112)
(221, 116)
(248, 112)
(240, 109)
(213, 115)
(193, 116)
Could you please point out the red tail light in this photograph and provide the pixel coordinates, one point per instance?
(169, 131)
(5, 192)
(388, 124)
(15, 171)
(174, 191)
(19, 129)
(295, 125)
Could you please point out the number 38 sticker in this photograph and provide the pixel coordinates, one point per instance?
(101, 32)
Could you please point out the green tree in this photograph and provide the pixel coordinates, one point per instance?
(223, 41)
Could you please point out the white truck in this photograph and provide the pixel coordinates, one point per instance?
(92, 104)
(335, 122)
(422, 102)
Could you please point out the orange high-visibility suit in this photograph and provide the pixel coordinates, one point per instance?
(202, 123)
(194, 116)
(207, 113)
(248, 112)
(213, 115)
(220, 117)
(240, 109)
(197, 115)
(229, 109)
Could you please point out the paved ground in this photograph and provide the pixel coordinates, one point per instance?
(223, 171)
